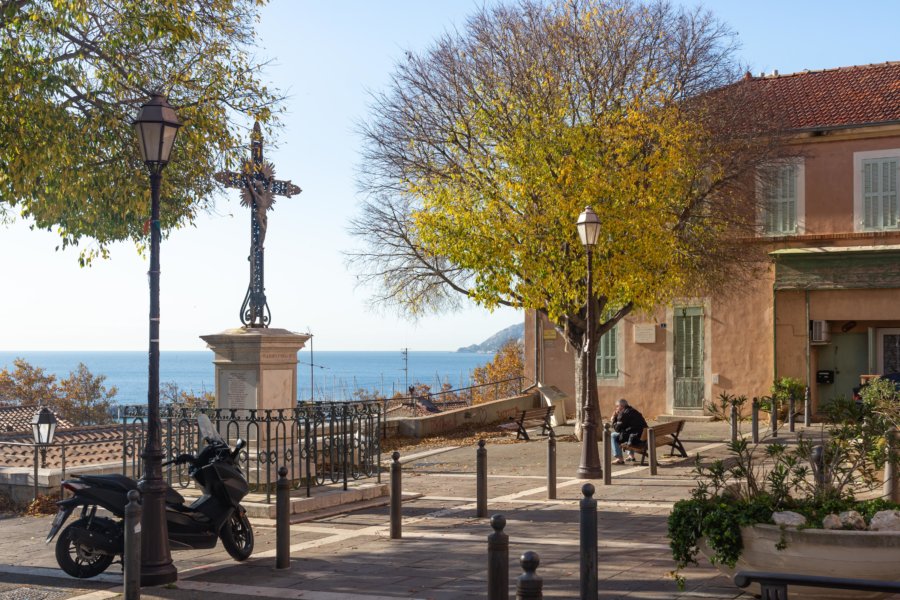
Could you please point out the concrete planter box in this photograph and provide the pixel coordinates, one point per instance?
(823, 552)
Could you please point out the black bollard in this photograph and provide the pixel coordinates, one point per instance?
(283, 520)
(481, 509)
(607, 454)
(588, 543)
(773, 416)
(807, 409)
(530, 586)
(754, 420)
(551, 466)
(131, 560)
(498, 560)
(396, 496)
(734, 422)
(791, 414)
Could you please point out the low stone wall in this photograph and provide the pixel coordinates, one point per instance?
(480, 414)
(18, 483)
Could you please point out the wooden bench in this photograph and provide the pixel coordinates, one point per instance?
(530, 417)
(664, 434)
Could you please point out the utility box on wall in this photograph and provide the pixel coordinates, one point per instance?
(825, 376)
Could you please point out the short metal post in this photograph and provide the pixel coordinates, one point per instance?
(734, 422)
(481, 508)
(530, 585)
(498, 560)
(132, 557)
(891, 470)
(651, 450)
(396, 492)
(773, 416)
(551, 466)
(35, 472)
(588, 540)
(754, 420)
(283, 520)
(791, 413)
(818, 465)
(807, 409)
(607, 454)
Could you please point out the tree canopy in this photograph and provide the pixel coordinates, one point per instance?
(74, 75)
(484, 149)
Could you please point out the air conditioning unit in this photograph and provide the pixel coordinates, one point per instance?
(818, 332)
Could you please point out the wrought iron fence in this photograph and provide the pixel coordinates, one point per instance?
(318, 442)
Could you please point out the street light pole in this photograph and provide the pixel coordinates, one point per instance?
(589, 467)
(156, 126)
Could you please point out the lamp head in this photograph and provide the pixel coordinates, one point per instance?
(588, 227)
(43, 426)
(156, 127)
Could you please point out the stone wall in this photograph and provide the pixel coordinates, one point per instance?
(479, 414)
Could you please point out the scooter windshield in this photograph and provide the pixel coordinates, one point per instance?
(207, 431)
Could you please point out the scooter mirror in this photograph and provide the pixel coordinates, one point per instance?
(239, 445)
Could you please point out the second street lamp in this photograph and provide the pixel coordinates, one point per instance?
(589, 467)
(156, 128)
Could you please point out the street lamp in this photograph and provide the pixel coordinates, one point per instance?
(43, 426)
(589, 468)
(156, 127)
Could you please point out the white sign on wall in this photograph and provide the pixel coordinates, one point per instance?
(644, 333)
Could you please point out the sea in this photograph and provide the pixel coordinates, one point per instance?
(327, 375)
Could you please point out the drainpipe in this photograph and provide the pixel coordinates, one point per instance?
(808, 361)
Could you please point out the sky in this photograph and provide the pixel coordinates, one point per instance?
(328, 57)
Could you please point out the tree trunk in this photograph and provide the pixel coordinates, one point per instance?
(580, 374)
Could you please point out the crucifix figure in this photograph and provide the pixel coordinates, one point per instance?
(258, 190)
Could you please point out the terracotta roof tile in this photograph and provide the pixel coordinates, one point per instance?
(847, 96)
(18, 419)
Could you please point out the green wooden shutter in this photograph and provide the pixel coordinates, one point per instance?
(607, 354)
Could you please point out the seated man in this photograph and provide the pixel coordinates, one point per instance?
(628, 425)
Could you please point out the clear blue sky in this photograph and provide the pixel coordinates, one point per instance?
(326, 56)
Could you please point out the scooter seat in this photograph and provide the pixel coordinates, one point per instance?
(125, 484)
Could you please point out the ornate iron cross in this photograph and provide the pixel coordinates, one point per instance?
(258, 190)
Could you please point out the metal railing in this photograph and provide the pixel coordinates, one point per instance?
(450, 399)
(318, 442)
(774, 586)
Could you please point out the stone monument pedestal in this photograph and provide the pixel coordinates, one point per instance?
(256, 367)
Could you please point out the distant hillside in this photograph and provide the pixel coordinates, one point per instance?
(493, 343)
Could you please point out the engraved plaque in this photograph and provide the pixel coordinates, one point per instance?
(238, 389)
(644, 333)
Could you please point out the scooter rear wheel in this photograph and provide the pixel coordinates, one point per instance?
(77, 559)
(237, 536)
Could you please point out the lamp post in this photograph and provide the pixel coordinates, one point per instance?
(156, 127)
(43, 426)
(589, 467)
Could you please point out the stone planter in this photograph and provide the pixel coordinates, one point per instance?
(823, 552)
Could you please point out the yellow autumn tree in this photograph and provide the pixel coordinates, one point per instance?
(505, 370)
(485, 148)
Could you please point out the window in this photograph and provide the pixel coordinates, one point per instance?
(876, 204)
(608, 355)
(781, 191)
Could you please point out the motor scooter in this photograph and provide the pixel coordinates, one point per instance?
(91, 543)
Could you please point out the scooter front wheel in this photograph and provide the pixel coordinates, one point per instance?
(237, 536)
(78, 559)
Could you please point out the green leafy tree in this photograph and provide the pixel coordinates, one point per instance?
(84, 399)
(74, 75)
(484, 149)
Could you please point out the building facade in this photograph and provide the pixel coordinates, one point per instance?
(827, 308)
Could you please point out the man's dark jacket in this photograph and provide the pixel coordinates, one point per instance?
(630, 425)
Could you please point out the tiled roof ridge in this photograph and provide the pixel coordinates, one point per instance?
(776, 75)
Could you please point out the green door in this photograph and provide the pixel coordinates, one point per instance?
(848, 356)
(688, 368)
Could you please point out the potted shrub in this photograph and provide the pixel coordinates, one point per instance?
(766, 507)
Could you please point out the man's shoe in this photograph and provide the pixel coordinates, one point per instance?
(618, 461)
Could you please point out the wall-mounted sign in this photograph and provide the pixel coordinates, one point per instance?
(550, 334)
(644, 333)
